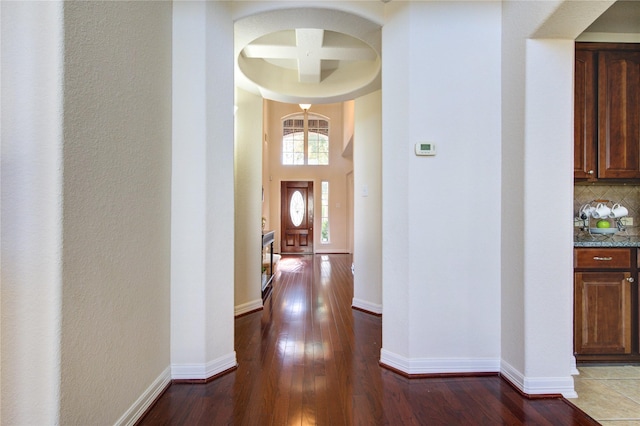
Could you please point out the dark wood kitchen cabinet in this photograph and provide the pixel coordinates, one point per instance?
(602, 313)
(606, 304)
(585, 118)
(607, 111)
(619, 114)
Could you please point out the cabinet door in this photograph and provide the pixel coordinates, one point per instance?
(602, 313)
(619, 114)
(585, 120)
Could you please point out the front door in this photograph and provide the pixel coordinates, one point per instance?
(297, 217)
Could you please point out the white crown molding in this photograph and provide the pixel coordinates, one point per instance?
(148, 397)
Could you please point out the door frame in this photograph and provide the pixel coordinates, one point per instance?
(309, 214)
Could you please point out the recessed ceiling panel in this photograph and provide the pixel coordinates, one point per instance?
(308, 63)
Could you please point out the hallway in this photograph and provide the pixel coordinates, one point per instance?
(308, 358)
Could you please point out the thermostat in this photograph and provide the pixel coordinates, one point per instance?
(425, 148)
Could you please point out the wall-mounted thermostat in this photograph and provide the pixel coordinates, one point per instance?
(425, 148)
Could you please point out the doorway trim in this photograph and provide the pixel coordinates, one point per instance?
(296, 227)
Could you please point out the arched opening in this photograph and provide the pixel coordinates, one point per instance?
(340, 61)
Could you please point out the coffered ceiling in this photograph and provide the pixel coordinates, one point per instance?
(312, 52)
(327, 56)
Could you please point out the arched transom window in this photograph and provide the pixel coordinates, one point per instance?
(305, 141)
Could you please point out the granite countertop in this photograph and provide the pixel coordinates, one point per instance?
(619, 240)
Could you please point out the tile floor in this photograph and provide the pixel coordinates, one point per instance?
(609, 394)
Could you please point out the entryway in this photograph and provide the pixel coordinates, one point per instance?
(296, 217)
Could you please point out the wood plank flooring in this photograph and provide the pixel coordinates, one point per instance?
(309, 359)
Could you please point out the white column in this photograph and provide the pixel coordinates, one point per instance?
(248, 202)
(202, 262)
(31, 199)
(367, 166)
(537, 164)
(395, 177)
(548, 264)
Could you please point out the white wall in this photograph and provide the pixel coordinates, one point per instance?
(441, 215)
(335, 174)
(116, 226)
(441, 278)
(266, 169)
(348, 124)
(220, 192)
(85, 325)
(367, 165)
(372, 10)
(202, 250)
(395, 203)
(248, 202)
(513, 82)
(188, 223)
(31, 200)
(548, 274)
(537, 117)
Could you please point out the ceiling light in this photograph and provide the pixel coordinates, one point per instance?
(305, 107)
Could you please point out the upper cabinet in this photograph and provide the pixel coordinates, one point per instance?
(619, 114)
(607, 111)
(585, 119)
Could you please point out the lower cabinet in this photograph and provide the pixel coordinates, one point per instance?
(602, 313)
(606, 304)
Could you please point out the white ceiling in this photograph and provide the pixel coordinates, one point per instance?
(319, 55)
(622, 17)
(327, 56)
(312, 52)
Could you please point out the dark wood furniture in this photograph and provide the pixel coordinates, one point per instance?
(607, 111)
(606, 304)
(267, 271)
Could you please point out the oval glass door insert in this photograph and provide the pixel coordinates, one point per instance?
(296, 208)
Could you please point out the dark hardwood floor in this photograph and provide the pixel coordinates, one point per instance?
(309, 359)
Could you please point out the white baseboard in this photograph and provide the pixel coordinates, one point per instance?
(538, 385)
(148, 397)
(247, 307)
(367, 306)
(203, 371)
(331, 251)
(574, 366)
(416, 366)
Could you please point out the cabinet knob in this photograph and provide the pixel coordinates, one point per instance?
(590, 172)
(630, 279)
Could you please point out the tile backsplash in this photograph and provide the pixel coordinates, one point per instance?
(627, 195)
